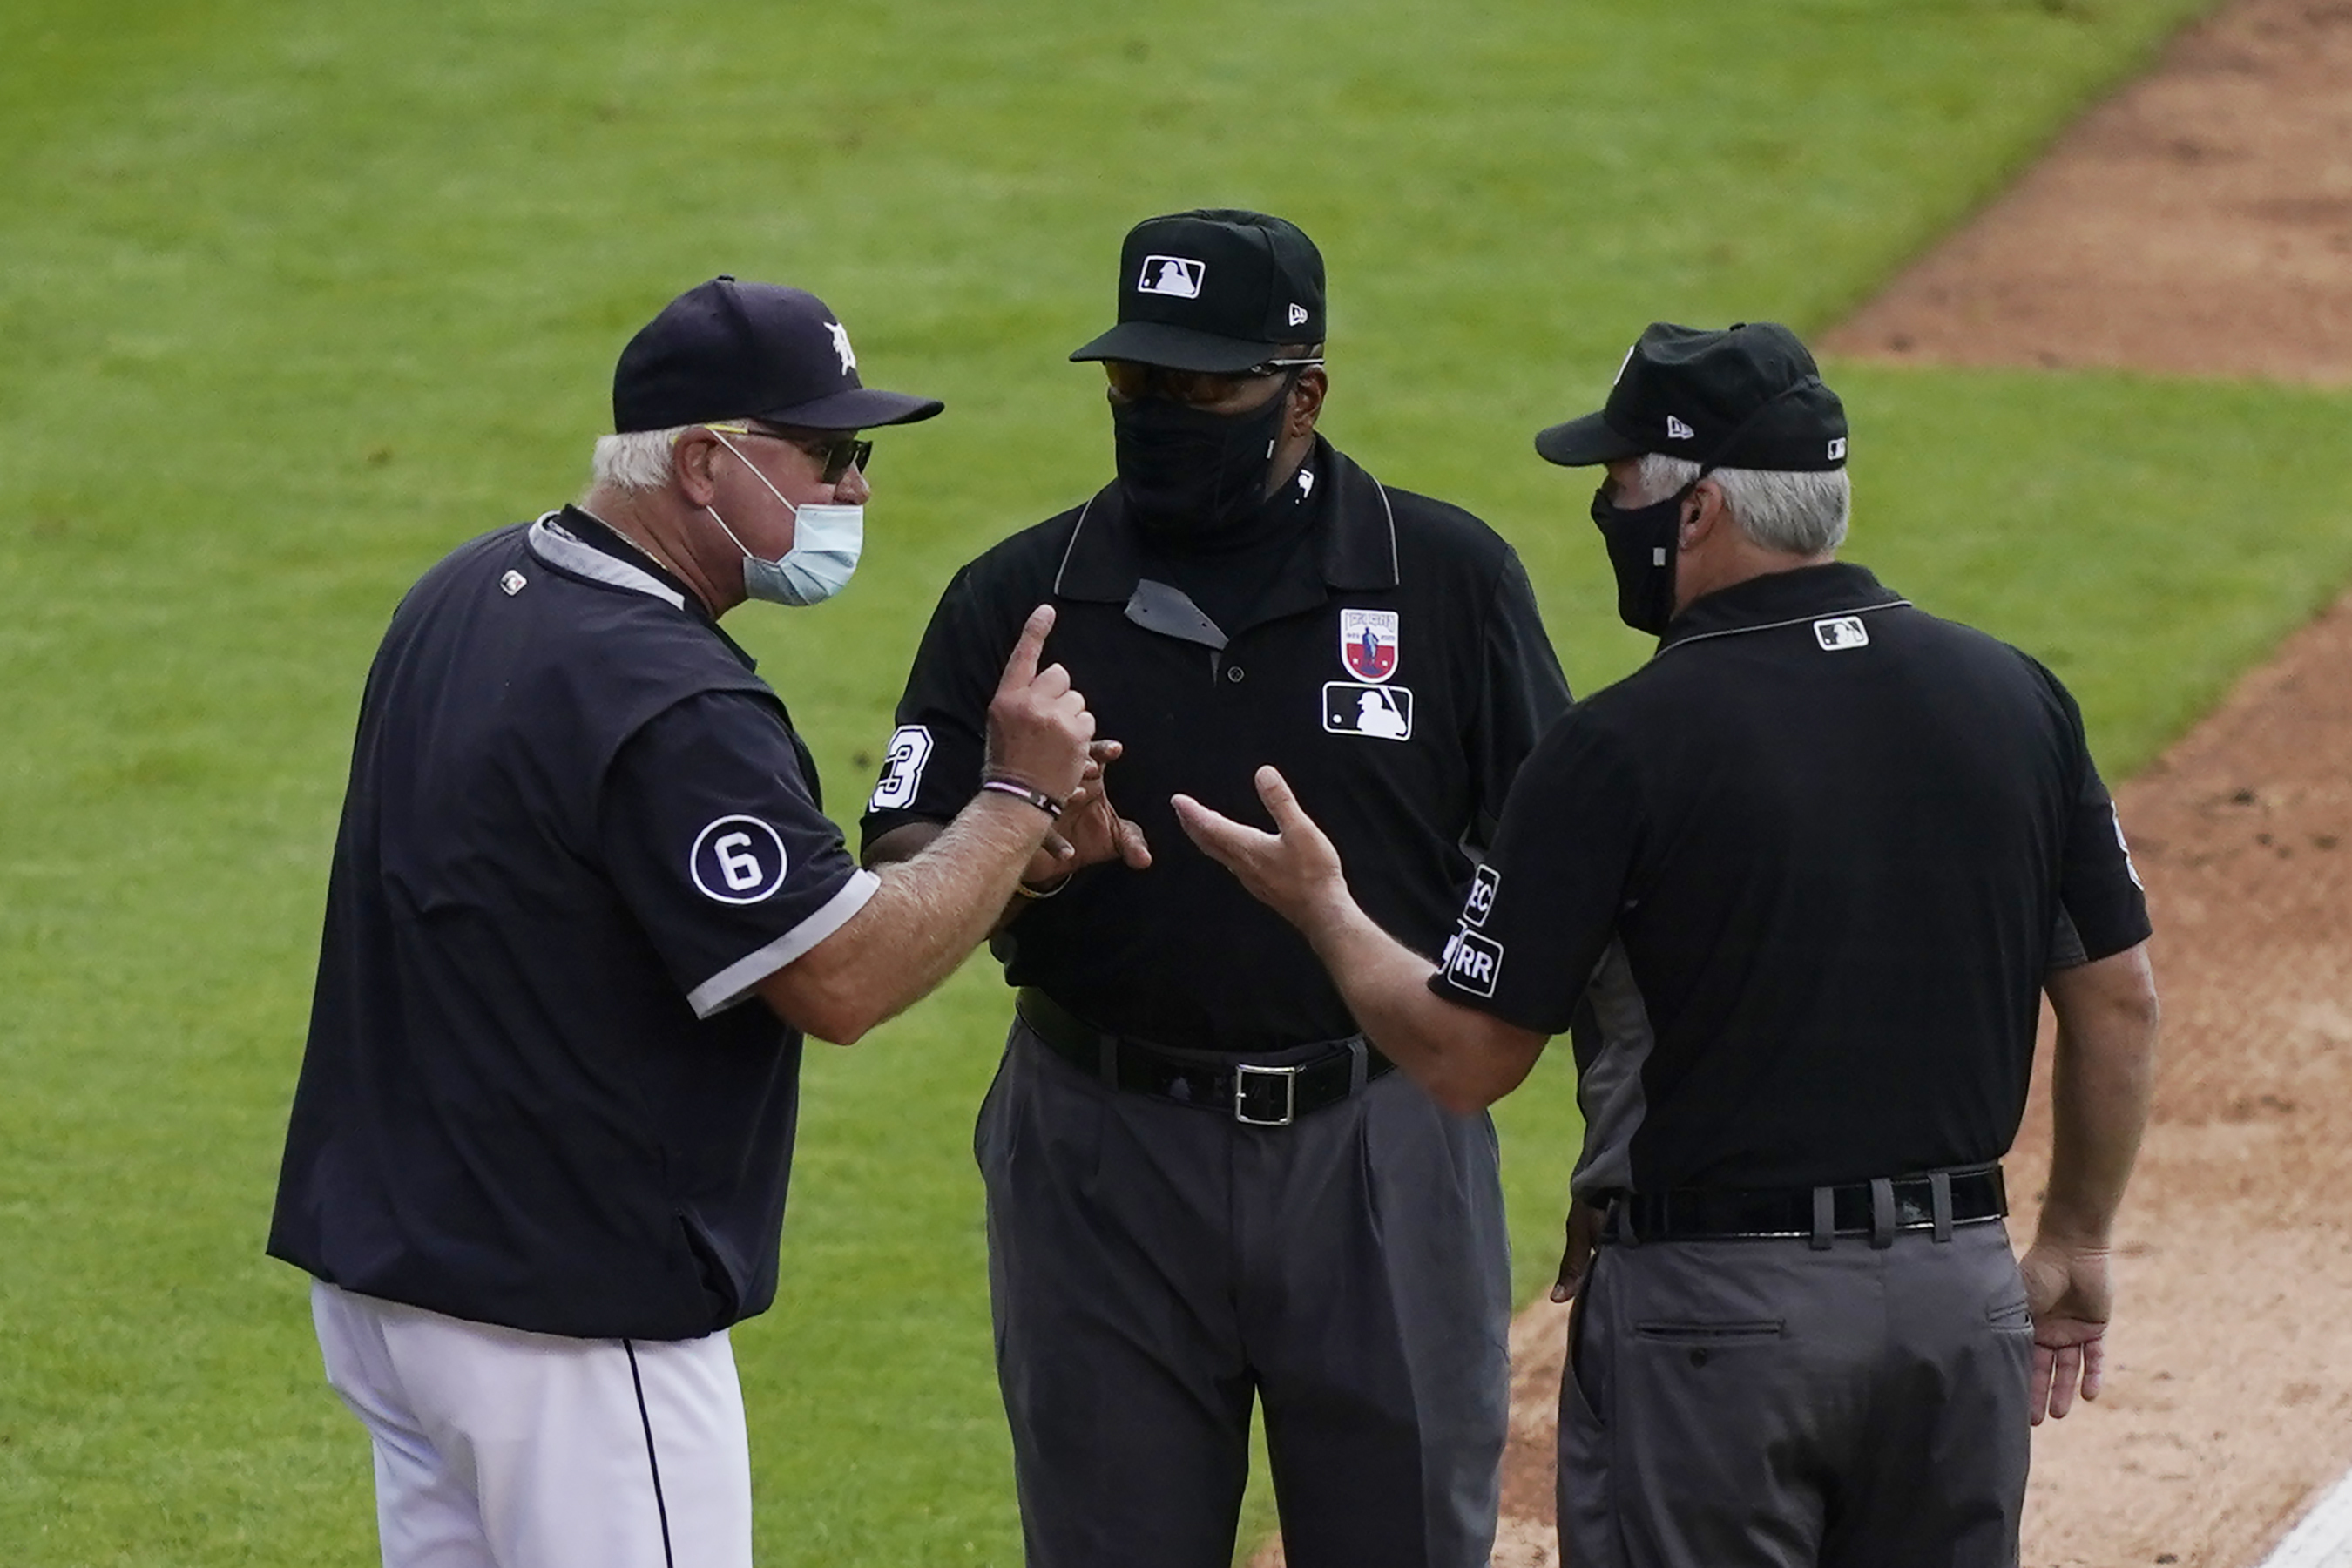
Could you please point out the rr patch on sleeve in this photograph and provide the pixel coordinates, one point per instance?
(1474, 963)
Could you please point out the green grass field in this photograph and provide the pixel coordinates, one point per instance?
(294, 297)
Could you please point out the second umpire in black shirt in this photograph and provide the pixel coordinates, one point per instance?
(1795, 888)
(1203, 1187)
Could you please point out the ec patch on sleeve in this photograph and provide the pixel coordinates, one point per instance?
(1485, 882)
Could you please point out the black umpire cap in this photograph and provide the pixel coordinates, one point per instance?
(1216, 289)
(1748, 397)
(725, 350)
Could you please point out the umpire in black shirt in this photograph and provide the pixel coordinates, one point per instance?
(1793, 888)
(1202, 1186)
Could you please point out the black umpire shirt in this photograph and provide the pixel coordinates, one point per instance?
(1795, 884)
(1382, 649)
(538, 1091)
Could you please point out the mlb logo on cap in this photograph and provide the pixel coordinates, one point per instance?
(1216, 289)
(1177, 275)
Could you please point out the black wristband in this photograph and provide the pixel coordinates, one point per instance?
(1036, 798)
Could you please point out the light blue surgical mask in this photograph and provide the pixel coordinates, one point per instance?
(826, 542)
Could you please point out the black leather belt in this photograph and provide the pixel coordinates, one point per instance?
(1252, 1093)
(1935, 1200)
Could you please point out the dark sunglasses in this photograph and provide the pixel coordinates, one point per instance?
(839, 453)
(1131, 380)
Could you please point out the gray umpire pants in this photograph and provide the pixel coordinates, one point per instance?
(1738, 1402)
(1152, 1266)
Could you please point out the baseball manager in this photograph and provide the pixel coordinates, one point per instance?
(584, 907)
(1794, 887)
(1204, 1189)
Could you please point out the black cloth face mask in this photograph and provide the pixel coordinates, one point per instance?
(1642, 541)
(1194, 480)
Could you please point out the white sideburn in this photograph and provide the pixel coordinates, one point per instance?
(827, 540)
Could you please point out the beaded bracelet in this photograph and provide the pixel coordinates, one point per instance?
(1036, 798)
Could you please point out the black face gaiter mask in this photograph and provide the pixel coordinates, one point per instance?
(1643, 542)
(1194, 480)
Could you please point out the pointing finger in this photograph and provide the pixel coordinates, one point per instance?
(1022, 668)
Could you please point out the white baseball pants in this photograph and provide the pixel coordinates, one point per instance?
(498, 1448)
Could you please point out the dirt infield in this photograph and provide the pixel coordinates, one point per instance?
(2198, 223)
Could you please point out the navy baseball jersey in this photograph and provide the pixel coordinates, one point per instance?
(539, 1089)
(1793, 887)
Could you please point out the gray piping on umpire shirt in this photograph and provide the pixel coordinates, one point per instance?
(552, 543)
(1776, 625)
(1076, 529)
(1608, 1087)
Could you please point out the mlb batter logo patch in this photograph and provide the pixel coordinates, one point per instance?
(1368, 643)
(1384, 713)
(1840, 632)
(1175, 275)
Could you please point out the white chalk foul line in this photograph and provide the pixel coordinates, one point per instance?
(2323, 1538)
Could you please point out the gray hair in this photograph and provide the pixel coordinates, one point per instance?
(1796, 513)
(637, 460)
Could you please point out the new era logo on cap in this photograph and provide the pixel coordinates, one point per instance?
(1177, 275)
(1676, 430)
(1297, 314)
(1837, 448)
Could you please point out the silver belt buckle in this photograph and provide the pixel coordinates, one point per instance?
(1287, 1076)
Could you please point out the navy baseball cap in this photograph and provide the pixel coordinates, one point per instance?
(1216, 289)
(726, 349)
(1748, 397)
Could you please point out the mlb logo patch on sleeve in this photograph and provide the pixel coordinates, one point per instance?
(1474, 963)
(1384, 712)
(1177, 275)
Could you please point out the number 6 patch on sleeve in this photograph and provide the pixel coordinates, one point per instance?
(738, 860)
